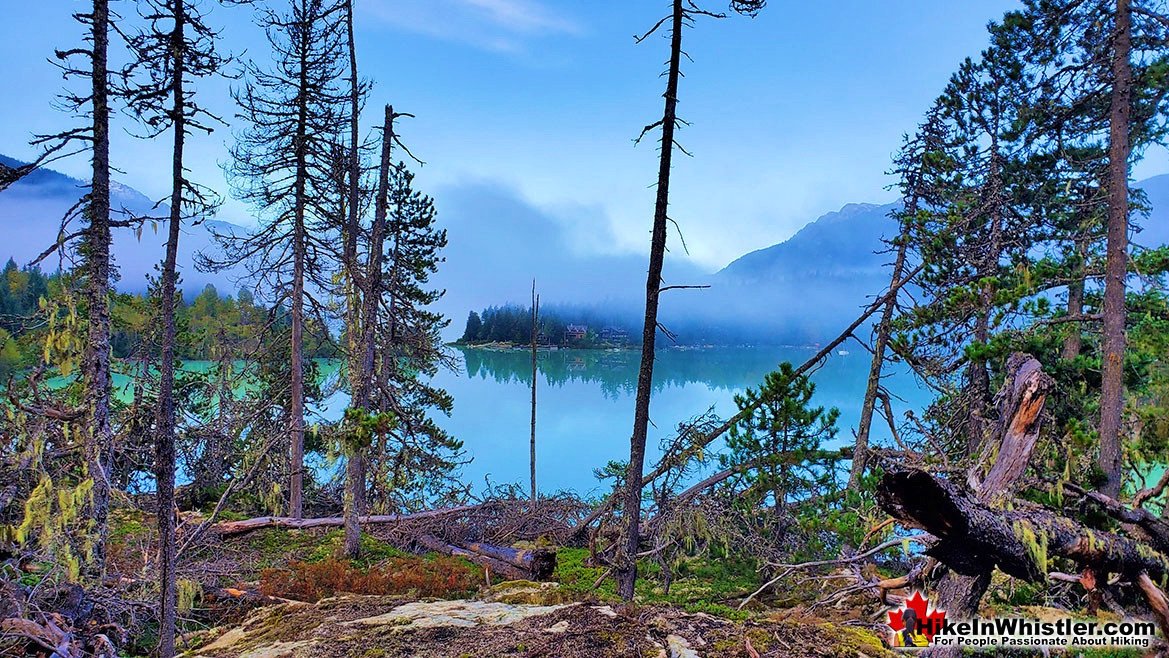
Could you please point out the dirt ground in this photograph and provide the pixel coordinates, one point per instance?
(385, 627)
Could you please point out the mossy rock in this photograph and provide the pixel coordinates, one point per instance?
(528, 592)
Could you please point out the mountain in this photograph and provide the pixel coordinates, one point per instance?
(801, 290)
(1154, 229)
(847, 244)
(841, 244)
(30, 218)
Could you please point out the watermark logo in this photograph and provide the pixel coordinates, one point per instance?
(916, 622)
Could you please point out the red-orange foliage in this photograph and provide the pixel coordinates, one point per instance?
(438, 577)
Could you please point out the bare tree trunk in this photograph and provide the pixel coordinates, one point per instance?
(353, 200)
(884, 328)
(626, 569)
(164, 424)
(355, 468)
(1116, 267)
(299, 237)
(99, 448)
(1073, 344)
(535, 316)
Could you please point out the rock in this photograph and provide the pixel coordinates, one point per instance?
(429, 614)
(680, 648)
(605, 610)
(384, 627)
(559, 627)
(528, 592)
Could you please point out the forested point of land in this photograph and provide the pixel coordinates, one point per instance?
(213, 511)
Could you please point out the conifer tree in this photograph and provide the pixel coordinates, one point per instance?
(777, 440)
(94, 106)
(281, 164)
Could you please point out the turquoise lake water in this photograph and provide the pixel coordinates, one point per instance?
(585, 404)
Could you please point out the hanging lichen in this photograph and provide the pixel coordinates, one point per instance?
(1035, 543)
(188, 592)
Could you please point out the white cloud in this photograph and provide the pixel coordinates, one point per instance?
(496, 25)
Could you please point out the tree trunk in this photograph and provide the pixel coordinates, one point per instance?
(540, 563)
(977, 376)
(231, 528)
(353, 219)
(974, 537)
(626, 569)
(884, 329)
(493, 565)
(99, 448)
(1073, 344)
(1020, 410)
(299, 238)
(164, 425)
(351, 222)
(532, 447)
(1116, 267)
(355, 468)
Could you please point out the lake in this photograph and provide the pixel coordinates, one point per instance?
(585, 404)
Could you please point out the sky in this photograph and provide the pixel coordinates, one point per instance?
(791, 114)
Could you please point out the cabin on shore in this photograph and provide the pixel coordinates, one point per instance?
(575, 332)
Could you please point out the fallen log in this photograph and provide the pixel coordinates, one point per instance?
(509, 571)
(980, 526)
(1155, 527)
(539, 563)
(230, 528)
(975, 537)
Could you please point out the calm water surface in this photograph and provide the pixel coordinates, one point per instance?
(585, 404)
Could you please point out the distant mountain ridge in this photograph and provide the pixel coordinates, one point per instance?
(800, 290)
(841, 244)
(31, 211)
(848, 243)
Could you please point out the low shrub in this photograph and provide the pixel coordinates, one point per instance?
(438, 576)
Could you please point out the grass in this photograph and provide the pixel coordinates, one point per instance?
(700, 585)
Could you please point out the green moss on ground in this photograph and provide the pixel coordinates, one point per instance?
(698, 585)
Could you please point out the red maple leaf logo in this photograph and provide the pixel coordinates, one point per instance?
(930, 620)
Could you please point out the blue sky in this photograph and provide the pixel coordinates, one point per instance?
(794, 113)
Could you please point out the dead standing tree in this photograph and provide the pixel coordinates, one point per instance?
(175, 48)
(366, 344)
(915, 157)
(535, 333)
(683, 13)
